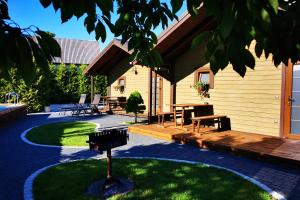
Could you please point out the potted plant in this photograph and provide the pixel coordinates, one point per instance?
(202, 88)
(120, 88)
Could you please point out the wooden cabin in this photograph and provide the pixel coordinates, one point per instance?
(263, 102)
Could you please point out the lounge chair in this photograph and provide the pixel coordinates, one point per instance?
(93, 107)
(75, 107)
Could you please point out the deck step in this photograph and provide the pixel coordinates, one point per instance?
(153, 133)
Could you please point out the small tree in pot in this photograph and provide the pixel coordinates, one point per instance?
(135, 104)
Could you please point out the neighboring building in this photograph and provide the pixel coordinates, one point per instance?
(74, 51)
(261, 102)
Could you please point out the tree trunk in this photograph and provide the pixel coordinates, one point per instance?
(135, 120)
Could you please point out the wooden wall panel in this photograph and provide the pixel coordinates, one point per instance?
(136, 79)
(252, 103)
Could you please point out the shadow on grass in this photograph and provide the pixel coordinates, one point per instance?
(153, 179)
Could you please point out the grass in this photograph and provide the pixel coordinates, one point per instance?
(153, 179)
(62, 133)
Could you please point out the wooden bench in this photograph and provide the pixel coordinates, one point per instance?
(216, 118)
(161, 117)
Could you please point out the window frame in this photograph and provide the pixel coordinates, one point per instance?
(122, 78)
(204, 70)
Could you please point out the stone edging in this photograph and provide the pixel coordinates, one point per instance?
(23, 136)
(28, 185)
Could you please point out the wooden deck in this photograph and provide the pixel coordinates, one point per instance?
(242, 143)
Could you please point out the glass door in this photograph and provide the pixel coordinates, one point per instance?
(292, 97)
(294, 101)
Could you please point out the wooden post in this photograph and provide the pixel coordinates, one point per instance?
(109, 165)
(92, 88)
(150, 96)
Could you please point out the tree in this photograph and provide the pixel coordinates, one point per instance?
(135, 104)
(24, 48)
(273, 24)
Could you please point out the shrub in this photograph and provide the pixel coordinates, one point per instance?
(61, 84)
(135, 104)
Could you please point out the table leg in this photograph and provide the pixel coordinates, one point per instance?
(198, 126)
(182, 117)
(175, 123)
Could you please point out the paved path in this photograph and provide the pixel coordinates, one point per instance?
(18, 160)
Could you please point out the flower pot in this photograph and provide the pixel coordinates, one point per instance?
(200, 89)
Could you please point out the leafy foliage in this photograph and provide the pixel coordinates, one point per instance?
(61, 84)
(24, 48)
(202, 88)
(135, 104)
(273, 24)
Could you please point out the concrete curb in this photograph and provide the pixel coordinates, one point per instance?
(28, 185)
(24, 139)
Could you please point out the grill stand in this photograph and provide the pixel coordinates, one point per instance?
(110, 181)
(105, 140)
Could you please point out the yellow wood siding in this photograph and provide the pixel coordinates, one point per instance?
(252, 103)
(136, 79)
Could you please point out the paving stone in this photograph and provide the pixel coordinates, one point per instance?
(19, 160)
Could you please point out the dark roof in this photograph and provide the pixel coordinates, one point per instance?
(171, 42)
(109, 56)
(74, 51)
(178, 37)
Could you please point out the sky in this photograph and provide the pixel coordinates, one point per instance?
(31, 12)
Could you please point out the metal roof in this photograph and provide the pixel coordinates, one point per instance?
(74, 51)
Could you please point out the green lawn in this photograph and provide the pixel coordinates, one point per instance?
(153, 179)
(62, 133)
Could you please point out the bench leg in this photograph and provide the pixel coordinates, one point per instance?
(158, 119)
(163, 120)
(175, 122)
(193, 124)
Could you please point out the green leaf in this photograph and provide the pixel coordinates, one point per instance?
(192, 8)
(258, 49)
(240, 69)
(199, 39)
(265, 16)
(157, 58)
(89, 23)
(227, 21)
(176, 5)
(25, 61)
(45, 3)
(274, 4)
(249, 59)
(4, 10)
(100, 31)
(52, 44)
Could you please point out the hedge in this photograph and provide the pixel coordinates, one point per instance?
(61, 84)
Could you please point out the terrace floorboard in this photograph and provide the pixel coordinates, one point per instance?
(254, 145)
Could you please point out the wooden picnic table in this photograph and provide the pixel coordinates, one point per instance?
(114, 102)
(184, 106)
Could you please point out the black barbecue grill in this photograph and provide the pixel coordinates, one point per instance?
(104, 139)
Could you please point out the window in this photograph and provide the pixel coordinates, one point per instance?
(121, 84)
(205, 75)
(121, 81)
